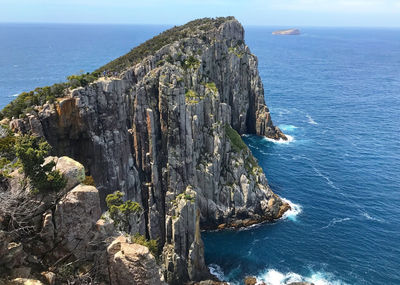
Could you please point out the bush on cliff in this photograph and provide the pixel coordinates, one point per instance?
(31, 152)
(236, 141)
(120, 211)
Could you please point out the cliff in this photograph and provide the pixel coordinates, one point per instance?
(165, 129)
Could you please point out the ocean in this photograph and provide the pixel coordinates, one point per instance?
(334, 91)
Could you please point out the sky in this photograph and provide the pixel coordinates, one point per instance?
(284, 13)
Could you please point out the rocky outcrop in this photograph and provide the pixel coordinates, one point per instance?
(60, 226)
(166, 132)
(75, 218)
(131, 263)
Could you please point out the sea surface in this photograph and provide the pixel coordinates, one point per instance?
(334, 91)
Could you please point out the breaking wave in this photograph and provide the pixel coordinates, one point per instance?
(295, 210)
(274, 277)
(281, 141)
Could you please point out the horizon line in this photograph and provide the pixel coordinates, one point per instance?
(172, 25)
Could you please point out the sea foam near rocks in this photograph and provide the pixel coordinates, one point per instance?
(295, 210)
(281, 141)
(274, 277)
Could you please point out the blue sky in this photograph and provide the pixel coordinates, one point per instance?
(375, 13)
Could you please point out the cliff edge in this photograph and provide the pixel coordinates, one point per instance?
(164, 128)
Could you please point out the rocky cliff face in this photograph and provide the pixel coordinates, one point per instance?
(166, 131)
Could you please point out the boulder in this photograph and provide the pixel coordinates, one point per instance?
(75, 218)
(131, 263)
(71, 169)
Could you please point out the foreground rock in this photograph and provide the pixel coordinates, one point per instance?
(132, 264)
(166, 132)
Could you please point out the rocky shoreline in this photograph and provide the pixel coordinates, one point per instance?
(165, 131)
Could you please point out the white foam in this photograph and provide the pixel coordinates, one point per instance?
(368, 217)
(295, 210)
(311, 120)
(15, 95)
(287, 128)
(281, 141)
(329, 181)
(274, 277)
(217, 271)
(335, 221)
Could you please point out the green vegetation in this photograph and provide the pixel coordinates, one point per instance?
(191, 63)
(31, 152)
(236, 50)
(121, 211)
(82, 80)
(7, 151)
(26, 100)
(151, 244)
(167, 37)
(212, 87)
(192, 97)
(186, 196)
(236, 141)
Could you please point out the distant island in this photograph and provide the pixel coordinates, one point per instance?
(287, 32)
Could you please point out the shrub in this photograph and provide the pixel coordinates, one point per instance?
(236, 141)
(121, 211)
(31, 152)
(190, 63)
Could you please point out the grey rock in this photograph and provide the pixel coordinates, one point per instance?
(75, 218)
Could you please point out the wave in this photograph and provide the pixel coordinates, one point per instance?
(295, 210)
(311, 120)
(335, 221)
(287, 128)
(217, 271)
(281, 141)
(274, 277)
(14, 95)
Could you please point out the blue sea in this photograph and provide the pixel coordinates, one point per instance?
(334, 91)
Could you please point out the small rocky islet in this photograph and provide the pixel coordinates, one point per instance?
(160, 125)
(288, 32)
